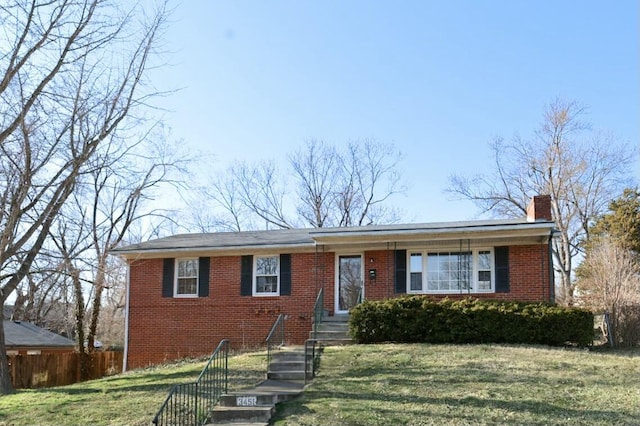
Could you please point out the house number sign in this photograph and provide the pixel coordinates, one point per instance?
(246, 401)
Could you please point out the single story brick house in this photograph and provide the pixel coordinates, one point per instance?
(24, 338)
(187, 292)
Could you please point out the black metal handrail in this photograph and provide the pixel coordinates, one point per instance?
(312, 349)
(275, 338)
(191, 403)
(318, 310)
(360, 295)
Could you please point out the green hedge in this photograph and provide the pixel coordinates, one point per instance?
(414, 319)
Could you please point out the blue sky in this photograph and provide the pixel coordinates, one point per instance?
(437, 79)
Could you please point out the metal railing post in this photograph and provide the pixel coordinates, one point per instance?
(278, 325)
(191, 403)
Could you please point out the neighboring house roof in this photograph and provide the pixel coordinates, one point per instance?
(25, 334)
(310, 238)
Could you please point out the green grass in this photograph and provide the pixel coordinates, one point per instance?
(380, 385)
(126, 399)
(460, 385)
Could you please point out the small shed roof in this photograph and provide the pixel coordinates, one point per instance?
(25, 334)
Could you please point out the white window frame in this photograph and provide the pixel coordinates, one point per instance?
(476, 270)
(423, 268)
(176, 277)
(254, 285)
(475, 260)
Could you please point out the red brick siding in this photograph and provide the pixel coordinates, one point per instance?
(162, 329)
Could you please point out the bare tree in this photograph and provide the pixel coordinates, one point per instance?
(42, 299)
(70, 76)
(369, 179)
(109, 200)
(333, 188)
(609, 281)
(318, 170)
(581, 170)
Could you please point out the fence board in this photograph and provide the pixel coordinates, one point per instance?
(59, 369)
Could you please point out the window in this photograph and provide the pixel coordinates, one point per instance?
(266, 275)
(484, 270)
(186, 284)
(450, 272)
(415, 270)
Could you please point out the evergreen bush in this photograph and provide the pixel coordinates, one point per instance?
(412, 319)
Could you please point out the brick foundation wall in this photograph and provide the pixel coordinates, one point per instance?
(163, 328)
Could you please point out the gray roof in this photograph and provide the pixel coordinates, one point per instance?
(226, 240)
(308, 237)
(25, 334)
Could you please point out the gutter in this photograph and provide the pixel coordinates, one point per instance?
(126, 321)
(552, 275)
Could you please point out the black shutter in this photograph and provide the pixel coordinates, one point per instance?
(167, 277)
(246, 275)
(502, 269)
(401, 271)
(285, 274)
(203, 276)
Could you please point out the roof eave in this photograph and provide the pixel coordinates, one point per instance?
(230, 249)
(502, 231)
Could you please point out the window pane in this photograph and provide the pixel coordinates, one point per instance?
(449, 271)
(416, 262)
(416, 281)
(484, 280)
(484, 260)
(187, 285)
(267, 284)
(187, 268)
(267, 265)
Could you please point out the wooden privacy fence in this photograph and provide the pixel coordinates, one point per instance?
(48, 370)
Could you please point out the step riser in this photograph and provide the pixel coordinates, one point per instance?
(247, 400)
(335, 318)
(336, 342)
(261, 400)
(325, 335)
(327, 326)
(286, 366)
(287, 357)
(254, 414)
(286, 375)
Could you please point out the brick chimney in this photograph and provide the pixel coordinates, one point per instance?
(539, 208)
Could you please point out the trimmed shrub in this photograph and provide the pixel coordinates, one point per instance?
(413, 319)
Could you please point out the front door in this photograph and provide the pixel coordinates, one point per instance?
(348, 282)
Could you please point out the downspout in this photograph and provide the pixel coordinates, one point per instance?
(315, 243)
(389, 282)
(394, 269)
(552, 284)
(126, 319)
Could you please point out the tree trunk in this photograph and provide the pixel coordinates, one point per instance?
(6, 387)
(82, 349)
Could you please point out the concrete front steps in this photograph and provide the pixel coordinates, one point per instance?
(285, 381)
(332, 330)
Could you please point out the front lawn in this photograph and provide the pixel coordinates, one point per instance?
(125, 399)
(388, 384)
(425, 384)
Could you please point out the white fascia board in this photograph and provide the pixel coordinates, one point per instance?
(498, 231)
(199, 251)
